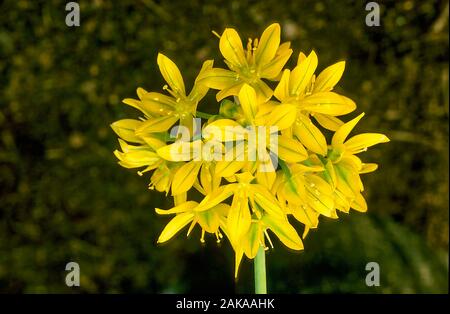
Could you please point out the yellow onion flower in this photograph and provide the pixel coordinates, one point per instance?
(263, 59)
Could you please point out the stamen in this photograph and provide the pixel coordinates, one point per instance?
(268, 238)
(171, 92)
(215, 34)
(249, 49)
(202, 239)
(194, 221)
(217, 237)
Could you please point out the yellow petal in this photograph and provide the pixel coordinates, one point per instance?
(161, 179)
(231, 90)
(141, 92)
(157, 104)
(319, 194)
(301, 57)
(228, 168)
(359, 203)
(328, 122)
(310, 135)
(185, 177)
(328, 103)
(199, 90)
(329, 77)
(361, 142)
(153, 125)
(217, 196)
(238, 220)
(272, 69)
(263, 91)
(136, 158)
(282, 90)
(247, 99)
(341, 202)
(171, 74)
(154, 142)
(330, 174)
(231, 47)
(284, 231)
(266, 178)
(343, 131)
(217, 78)
(347, 180)
(369, 167)
(224, 130)
(306, 215)
(239, 253)
(174, 226)
(125, 129)
(209, 220)
(262, 196)
(184, 207)
(180, 199)
(253, 240)
(302, 74)
(268, 45)
(291, 150)
(178, 151)
(282, 116)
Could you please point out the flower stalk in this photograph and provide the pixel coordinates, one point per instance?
(260, 272)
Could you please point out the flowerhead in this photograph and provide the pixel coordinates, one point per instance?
(263, 160)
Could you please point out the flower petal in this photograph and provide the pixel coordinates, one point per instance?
(284, 231)
(125, 129)
(185, 177)
(253, 240)
(268, 45)
(282, 116)
(359, 203)
(153, 125)
(217, 78)
(329, 77)
(328, 122)
(171, 74)
(360, 142)
(272, 69)
(282, 90)
(238, 220)
(302, 74)
(369, 167)
(184, 207)
(328, 103)
(310, 135)
(174, 226)
(231, 47)
(291, 150)
(343, 131)
(247, 99)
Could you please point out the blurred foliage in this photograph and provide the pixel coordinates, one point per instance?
(63, 197)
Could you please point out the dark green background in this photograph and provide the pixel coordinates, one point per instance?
(64, 198)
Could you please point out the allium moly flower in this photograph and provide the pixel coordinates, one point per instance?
(263, 160)
(263, 59)
(163, 111)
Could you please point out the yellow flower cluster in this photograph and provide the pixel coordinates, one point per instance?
(303, 177)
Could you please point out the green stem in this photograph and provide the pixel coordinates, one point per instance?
(260, 272)
(203, 115)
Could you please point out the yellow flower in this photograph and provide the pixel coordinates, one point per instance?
(347, 166)
(314, 97)
(263, 59)
(162, 111)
